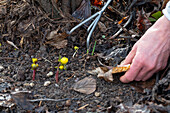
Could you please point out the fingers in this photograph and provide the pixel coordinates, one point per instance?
(149, 75)
(131, 74)
(130, 56)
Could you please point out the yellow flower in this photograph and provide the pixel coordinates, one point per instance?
(34, 60)
(0, 44)
(64, 60)
(61, 67)
(76, 48)
(34, 66)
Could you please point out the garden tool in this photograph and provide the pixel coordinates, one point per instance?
(93, 24)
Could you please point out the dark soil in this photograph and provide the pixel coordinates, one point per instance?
(29, 22)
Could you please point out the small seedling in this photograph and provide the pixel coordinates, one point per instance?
(93, 48)
(62, 65)
(76, 50)
(103, 36)
(34, 67)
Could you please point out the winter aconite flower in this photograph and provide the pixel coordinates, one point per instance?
(76, 50)
(34, 66)
(61, 67)
(64, 60)
(34, 60)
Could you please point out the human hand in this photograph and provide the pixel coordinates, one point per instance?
(150, 54)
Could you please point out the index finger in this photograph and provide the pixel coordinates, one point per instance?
(131, 74)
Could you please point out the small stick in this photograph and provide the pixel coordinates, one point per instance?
(121, 29)
(55, 100)
(12, 44)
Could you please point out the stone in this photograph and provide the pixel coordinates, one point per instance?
(50, 74)
(46, 83)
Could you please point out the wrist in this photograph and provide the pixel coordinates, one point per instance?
(162, 24)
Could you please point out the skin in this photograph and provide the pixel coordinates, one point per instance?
(150, 53)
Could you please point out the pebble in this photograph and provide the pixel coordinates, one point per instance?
(14, 76)
(68, 103)
(1, 68)
(50, 74)
(32, 84)
(56, 85)
(26, 84)
(97, 94)
(46, 83)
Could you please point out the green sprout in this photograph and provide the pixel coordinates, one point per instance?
(93, 48)
(76, 50)
(103, 36)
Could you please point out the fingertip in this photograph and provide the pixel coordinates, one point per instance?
(124, 79)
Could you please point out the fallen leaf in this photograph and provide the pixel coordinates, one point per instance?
(86, 85)
(96, 2)
(57, 39)
(143, 22)
(106, 76)
(103, 72)
(120, 69)
(98, 70)
(21, 100)
(102, 27)
(84, 11)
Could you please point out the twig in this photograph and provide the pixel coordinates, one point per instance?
(109, 67)
(4, 1)
(83, 107)
(112, 9)
(12, 44)
(121, 29)
(55, 100)
(6, 58)
(55, 7)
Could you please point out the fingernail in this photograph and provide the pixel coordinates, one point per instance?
(124, 79)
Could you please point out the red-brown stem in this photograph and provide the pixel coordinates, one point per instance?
(33, 75)
(57, 73)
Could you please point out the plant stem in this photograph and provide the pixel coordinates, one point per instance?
(57, 73)
(93, 48)
(33, 75)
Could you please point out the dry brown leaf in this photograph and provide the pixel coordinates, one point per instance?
(102, 27)
(143, 23)
(86, 85)
(98, 70)
(102, 72)
(57, 39)
(106, 76)
(120, 69)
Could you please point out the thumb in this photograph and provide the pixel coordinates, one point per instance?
(124, 79)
